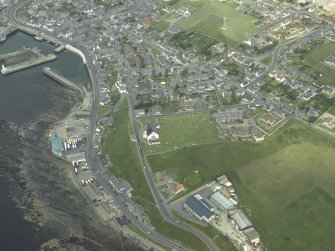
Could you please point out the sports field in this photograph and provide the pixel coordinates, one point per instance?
(314, 60)
(208, 20)
(286, 184)
(178, 131)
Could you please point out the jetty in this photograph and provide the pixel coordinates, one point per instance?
(60, 48)
(61, 79)
(30, 57)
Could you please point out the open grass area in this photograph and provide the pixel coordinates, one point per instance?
(332, 110)
(191, 5)
(161, 25)
(208, 20)
(177, 131)
(267, 60)
(286, 184)
(314, 59)
(117, 143)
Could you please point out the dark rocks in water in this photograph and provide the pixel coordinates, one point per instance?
(42, 188)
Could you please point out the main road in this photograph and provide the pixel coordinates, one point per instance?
(101, 179)
(156, 193)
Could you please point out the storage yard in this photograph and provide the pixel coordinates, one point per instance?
(217, 204)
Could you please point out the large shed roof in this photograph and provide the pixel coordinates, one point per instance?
(222, 201)
(198, 207)
(240, 219)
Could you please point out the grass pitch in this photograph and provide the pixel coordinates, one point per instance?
(286, 184)
(208, 20)
(178, 131)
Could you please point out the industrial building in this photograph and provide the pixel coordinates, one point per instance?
(239, 219)
(252, 236)
(199, 207)
(222, 201)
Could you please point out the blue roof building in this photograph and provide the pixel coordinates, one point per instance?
(199, 207)
(57, 146)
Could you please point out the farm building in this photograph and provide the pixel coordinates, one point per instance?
(199, 207)
(239, 219)
(222, 201)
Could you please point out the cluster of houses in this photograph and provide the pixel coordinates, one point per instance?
(168, 186)
(276, 75)
(222, 201)
(240, 58)
(124, 189)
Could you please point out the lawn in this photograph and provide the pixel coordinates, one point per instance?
(286, 184)
(191, 5)
(267, 60)
(161, 25)
(208, 20)
(332, 110)
(122, 151)
(314, 59)
(178, 131)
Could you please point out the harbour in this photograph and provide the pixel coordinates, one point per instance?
(23, 59)
(61, 79)
(32, 97)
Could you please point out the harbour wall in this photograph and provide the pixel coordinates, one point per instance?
(61, 79)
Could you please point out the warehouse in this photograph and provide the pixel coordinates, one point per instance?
(199, 207)
(252, 236)
(222, 201)
(239, 219)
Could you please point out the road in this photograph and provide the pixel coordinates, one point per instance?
(155, 191)
(101, 179)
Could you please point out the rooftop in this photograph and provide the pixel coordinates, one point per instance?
(222, 201)
(240, 219)
(198, 207)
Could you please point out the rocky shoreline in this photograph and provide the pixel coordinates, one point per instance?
(42, 187)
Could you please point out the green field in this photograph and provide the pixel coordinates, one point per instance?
(208, 20)
(286, 184)
(117, 143)
(191, 5)
(314, 59)
(332, 111)
(161, 25)
(178, 131)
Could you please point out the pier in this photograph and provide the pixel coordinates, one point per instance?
(61, 79)
(60, 48)
(36, 58)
